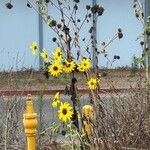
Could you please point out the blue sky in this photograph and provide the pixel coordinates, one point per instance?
(19, 27)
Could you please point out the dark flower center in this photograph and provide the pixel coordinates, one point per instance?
(84, 64)
(55, 68)
(92, 83)
(58, 54)
(81, 68)
(35, 47)
(68, 65)
(64, 111)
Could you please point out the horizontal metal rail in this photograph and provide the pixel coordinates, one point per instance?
(53, 91)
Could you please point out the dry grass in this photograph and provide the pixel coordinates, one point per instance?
(123, 125)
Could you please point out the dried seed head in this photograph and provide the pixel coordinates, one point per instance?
(77, 1)
(142, 43)
(54, 39)
(91, 29)
(94, 9)
(29, 4)
(63, 132)
(9, 5)
(115, 57)
(120, 35)
(118, 57)
(100, 10)
(78, 20)
(47, 1)
(89, 15)
(88, 7)
(66, 29)
(103, 43)
(134, 6)
(105, 55)
(59, 25)
(92, 36)
(61, 36)
(62, 20)
(75, 7)
(53, 23)
(119, 30)
(136, 14)
(142, 14)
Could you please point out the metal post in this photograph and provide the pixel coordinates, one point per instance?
(40, 21)
(147, 39)
(94, 51)
(147, 53)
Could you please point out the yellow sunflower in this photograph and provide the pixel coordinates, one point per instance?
(80, 68)
(88, 129)
(86, 63)
(55, 69)
(56, 99)
(65, 112)
(44, 54)
(68, 67)
(34, 47)
(92, 83)
(87, 111)
(57, 54)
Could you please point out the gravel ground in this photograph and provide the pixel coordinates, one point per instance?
(28, 80)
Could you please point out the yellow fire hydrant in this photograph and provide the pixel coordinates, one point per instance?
(30, 123)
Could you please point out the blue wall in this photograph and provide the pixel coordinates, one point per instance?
(19, 27)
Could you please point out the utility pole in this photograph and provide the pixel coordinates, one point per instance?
(40, 29)
(94, 51)
(147, 53)
(147, 13)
